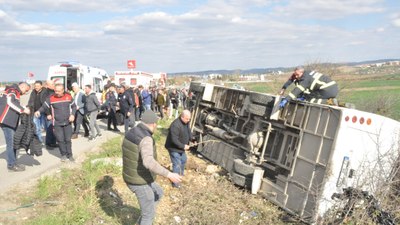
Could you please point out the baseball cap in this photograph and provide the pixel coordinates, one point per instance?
(149, 117)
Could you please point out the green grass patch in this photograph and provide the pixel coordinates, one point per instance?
(79, 195)
(386, 103)
(262, 87)
(374, 83)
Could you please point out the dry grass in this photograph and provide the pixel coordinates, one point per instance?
(97, 194)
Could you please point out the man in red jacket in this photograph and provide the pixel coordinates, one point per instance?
(62, 108)
(10, 109)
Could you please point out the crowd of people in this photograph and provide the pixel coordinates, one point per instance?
(61, 113)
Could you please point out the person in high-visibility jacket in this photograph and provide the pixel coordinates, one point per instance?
(313, 87)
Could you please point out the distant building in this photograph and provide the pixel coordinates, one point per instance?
(214, 76)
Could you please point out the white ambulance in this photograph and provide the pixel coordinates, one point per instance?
(69, 72)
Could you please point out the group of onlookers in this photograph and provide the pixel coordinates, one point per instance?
(61, 113)
(55, 110)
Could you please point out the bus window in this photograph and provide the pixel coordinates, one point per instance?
(121, 80)
(81, 81)
(133, 81)
(97, 85)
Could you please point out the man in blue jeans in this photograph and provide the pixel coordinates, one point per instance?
(140, 166)
(179, 136)
(126, 106)
(38, 96)
(10, 109)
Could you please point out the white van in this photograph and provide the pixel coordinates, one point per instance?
(69, 72)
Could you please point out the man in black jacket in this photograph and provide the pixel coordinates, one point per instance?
(179, 136)
(126, 105)
(10, 110)
(51, 141)
(36, 100)
(311, 86)
(62, 109)
(111, 104)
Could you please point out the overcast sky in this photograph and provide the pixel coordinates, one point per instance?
(184, 36)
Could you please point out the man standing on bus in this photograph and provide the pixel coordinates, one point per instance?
(311, 86)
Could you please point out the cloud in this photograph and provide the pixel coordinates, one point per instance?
(329, 9)
(78, 6)
(215, 35)
(396, 20)
(10, 27)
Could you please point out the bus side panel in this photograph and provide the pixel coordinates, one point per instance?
(363, 155)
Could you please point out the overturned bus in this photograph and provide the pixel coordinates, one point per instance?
(298, 157)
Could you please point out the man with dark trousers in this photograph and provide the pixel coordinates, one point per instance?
(10, 110)
(126, 105)
(79, 100)
(111, 104)
(92, 107)
(179, 136)
(62, 108)
(140, 166)
(36, 100)
(50, 141)
(311, 86)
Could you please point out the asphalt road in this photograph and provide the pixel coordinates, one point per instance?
(38, 165)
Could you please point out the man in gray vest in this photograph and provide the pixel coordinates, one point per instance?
(140, 166)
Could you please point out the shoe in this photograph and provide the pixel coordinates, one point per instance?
(91, 138)
(109, 128)
(176, 185)
(116, 130)
(16, 168)
(51, 146)
(99, 135)
(74, 136)
(71, 159)
(86, 135)
(63, 158)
